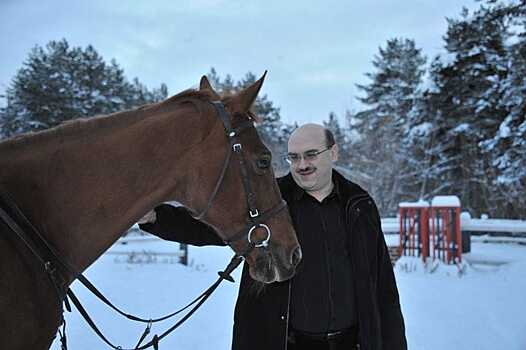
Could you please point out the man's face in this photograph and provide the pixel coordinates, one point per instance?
(315, 174)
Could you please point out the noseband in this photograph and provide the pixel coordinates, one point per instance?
(255, 217)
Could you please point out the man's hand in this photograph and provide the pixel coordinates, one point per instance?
(149, 218)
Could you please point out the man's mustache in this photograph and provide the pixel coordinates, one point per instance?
(306, 170)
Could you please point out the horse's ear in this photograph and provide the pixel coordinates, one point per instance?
(247, 96)
(204, 84)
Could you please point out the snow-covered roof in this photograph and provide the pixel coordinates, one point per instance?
(418, 204)
(445, 201)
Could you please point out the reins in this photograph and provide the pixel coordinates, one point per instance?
(50, 269)
(50, 259)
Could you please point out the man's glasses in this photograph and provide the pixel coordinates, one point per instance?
(309, 156)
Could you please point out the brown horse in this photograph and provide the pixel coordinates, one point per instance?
(84, 183)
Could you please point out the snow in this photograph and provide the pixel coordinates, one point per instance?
(419, 204)
(499, 239)
(493, 225)
(391, 225)
(514, 38)
(151, 288)
(448, 58)
(445, 201)
(392, 239)
(481, 308)
(504, 131)
(465, 216)
(482, 225)
(421, 129)
(462, 128)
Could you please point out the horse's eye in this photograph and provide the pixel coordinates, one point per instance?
(263, 162)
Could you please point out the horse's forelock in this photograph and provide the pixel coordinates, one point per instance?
(193, 96)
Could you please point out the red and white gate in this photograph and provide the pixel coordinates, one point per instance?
(431, 230)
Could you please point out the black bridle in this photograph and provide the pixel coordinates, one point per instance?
(51, 259)
(255, 218)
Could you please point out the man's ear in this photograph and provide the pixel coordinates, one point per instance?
(335, 153)
(204, 84)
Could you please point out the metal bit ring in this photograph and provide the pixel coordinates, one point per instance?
(263, 243)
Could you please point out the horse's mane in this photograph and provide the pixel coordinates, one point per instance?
(108, 123)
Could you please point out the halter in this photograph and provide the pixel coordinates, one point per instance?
(255, 218)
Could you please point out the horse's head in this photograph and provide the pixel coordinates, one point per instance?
(236, 192)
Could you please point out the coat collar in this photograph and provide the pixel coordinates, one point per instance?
(298, 192)
(346, 189)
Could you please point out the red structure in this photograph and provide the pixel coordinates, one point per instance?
(446, 237)
(431, 230)
(414, 229)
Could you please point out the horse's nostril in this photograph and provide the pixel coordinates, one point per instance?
(296, 256)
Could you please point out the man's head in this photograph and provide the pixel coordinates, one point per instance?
(312, 153)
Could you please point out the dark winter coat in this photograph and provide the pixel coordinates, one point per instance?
(261, 315)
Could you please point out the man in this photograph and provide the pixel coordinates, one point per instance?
(344, 292)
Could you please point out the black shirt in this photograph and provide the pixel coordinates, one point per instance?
(322, 295)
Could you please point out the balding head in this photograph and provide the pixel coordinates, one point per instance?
(307, 132)
(313, 174)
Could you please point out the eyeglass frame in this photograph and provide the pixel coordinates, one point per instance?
(306, 157)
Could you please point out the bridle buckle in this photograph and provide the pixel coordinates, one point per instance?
(236, 147)
(254, 213)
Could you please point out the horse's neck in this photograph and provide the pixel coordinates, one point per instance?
(85, 190)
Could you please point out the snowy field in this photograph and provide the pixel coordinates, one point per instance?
(484, 308)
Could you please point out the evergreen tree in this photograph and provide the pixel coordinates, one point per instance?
(59, 82)
(391, 97)
(466, 107)
(507, 147)
(418, 145)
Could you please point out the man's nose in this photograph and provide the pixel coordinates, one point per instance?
(302, 164)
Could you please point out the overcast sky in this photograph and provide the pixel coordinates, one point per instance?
(315, 51)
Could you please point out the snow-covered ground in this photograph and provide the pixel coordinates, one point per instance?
(485, 308)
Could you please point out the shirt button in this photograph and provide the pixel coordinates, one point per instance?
(282, 317)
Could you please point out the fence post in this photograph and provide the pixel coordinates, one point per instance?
(184, 256)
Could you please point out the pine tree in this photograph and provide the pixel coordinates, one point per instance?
(507, 147)
(466, 107)
(391, 96)
(59, 82)
(417, 144)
